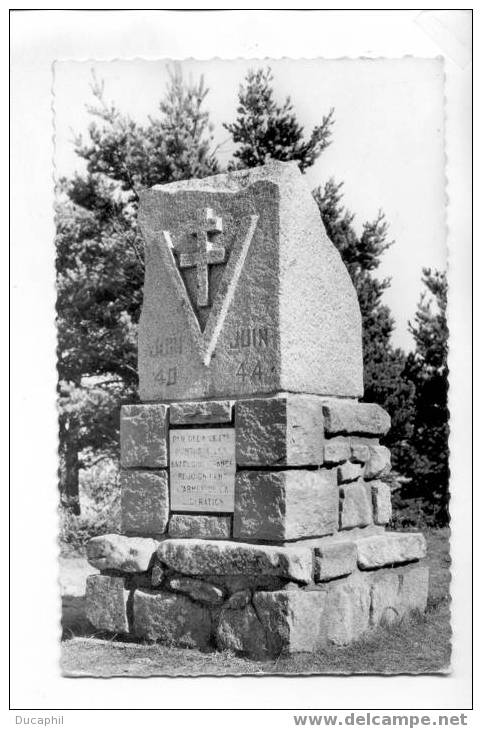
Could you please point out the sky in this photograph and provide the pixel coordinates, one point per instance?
(387, 145)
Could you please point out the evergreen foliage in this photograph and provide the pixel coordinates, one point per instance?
(100, 273)
(383, 364)
(100, 268)
(267, 130)
(428, 462)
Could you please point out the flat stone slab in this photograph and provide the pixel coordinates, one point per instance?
(202, 466)
(352, 417)
(199, 526)
(170, 618)
(144, 502)
(201, 412)
(390, 548)
(117, 552)
(106, 603)
(340, 536)
(244, 292)
(143, 436)
(206, 557)
(280, 431)
(285, 505)
(335, 559)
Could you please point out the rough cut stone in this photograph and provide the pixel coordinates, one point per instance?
(336, 450)
(335, 559)
(197, 590)
(117, 552)
(355, 505)
(378, 463)
(244, 293)
(337, 612)
(390, 548)
(201, 413)
(349, 416)
(284, 505)
(280, 431)
(382, 502)
(143, 436)
(241, 631)
(144, 502)
(240, 583)
(360, 448)
(414, 588)
(385, 598)
(106, 603)
(203, 557)
(346, 613)
(291, 619)
(238, 600)
(186, 526)
(158, 574)
(172, 619)
(349, 472)
(396, 593)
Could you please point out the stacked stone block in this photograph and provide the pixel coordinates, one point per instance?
(306, 466)
(303, 561)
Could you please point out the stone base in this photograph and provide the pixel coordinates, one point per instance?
(260, 600)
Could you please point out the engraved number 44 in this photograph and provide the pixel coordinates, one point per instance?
(245, 371)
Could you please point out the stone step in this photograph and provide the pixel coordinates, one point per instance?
(210, 557)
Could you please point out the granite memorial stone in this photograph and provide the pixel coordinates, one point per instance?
(253, 485)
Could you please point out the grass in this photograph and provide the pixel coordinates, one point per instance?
(418, 645)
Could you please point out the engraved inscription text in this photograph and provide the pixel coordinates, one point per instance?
(202, 468)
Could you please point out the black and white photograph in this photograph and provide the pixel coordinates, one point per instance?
(252, 311)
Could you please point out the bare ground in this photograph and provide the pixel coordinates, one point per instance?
(418, 645)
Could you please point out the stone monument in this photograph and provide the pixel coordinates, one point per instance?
(253, 505)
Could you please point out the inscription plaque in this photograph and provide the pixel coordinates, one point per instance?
(202, 467)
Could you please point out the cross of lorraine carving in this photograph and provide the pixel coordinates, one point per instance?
(206, 334)
(206, 253)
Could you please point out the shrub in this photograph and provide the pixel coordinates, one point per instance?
(100, 499)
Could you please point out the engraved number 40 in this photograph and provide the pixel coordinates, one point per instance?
(245, 371)
(166, 376)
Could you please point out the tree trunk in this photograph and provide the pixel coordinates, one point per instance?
(69, 477)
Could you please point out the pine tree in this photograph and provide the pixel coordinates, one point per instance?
(428, 463)
(384, 365)
(100, 268)
(267, 130)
